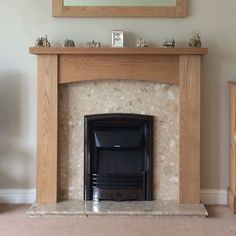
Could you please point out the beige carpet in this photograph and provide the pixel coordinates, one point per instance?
(14, 222)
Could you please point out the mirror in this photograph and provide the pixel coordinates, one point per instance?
(119, 8)
(119, 3)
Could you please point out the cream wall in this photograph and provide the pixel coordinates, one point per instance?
(21, 22)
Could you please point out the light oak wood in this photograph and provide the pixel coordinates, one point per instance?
(75, 68)
(175, 66)
(47, 130)
(57, 7)
(233, 137)
(119, 12)
(189, 85)
(59, 10)
(181, 8)
(118, 51)
(232, 201)
(232, 189)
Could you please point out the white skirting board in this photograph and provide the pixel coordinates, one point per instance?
(214, 196)
(19, 196)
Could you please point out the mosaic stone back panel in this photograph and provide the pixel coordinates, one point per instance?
(85, 98)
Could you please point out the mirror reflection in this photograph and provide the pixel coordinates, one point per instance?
(119, 2)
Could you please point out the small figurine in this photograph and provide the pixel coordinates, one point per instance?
(69, 43)
(42, 42)
(93, 44)
(141, 44)
(195, 42)
(169, 43)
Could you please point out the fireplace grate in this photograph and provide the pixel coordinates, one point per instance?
(118, 181)
(118, 157)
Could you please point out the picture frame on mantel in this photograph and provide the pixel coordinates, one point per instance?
(59, 9)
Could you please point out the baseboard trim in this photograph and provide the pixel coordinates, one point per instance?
(19, 196)
(214, 196)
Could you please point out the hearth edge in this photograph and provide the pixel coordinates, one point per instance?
(110, 208)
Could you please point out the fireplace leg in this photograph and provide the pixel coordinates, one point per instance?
(189, 84)
(46, 178)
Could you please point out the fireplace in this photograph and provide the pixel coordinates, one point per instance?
(118, 157)
(178, 66)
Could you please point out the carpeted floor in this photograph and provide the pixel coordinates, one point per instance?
(14, 222)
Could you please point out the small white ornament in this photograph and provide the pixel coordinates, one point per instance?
(118, 38)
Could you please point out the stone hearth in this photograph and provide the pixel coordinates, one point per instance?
(137, 208)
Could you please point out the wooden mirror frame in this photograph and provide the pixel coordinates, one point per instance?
(59, 10)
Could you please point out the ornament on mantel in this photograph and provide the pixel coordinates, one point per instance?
(93, 44)
(69, 43)
(169, 43)
(117, 39)
(43, 42)
(195, 42)
(141, 43)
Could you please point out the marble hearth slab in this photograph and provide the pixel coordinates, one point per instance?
(137, 208)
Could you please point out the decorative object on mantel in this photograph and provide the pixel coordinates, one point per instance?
(118, 38)
(93, 44)
(169, 43)
(141, 43)
(42, 42)
(69, 43)
(195, 42)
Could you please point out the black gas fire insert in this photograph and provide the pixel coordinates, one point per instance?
(118, 157)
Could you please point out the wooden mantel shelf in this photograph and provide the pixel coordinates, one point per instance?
(179, 66)
(119, 51)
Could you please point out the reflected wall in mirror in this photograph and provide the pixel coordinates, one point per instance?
(119, 8)
(119, 3)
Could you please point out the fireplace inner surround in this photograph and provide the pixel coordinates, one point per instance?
(118, 157)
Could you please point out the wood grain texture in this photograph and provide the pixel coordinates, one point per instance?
(118, 51)
(57, 7)
(159, 68)
(233, 138)
(47, 130)
(59, 10)
(119, 12)
(162, 65)
(232, 201)
(181, 8)
(189, 85)
(232, 189)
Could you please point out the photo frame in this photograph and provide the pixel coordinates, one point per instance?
(117, 39)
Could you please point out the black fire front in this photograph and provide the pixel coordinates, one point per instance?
(118, 151)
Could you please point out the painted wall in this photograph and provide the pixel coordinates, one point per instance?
(23, 21)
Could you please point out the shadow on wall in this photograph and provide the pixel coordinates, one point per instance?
(16, 162)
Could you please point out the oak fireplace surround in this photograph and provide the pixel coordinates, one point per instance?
(179, 66)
